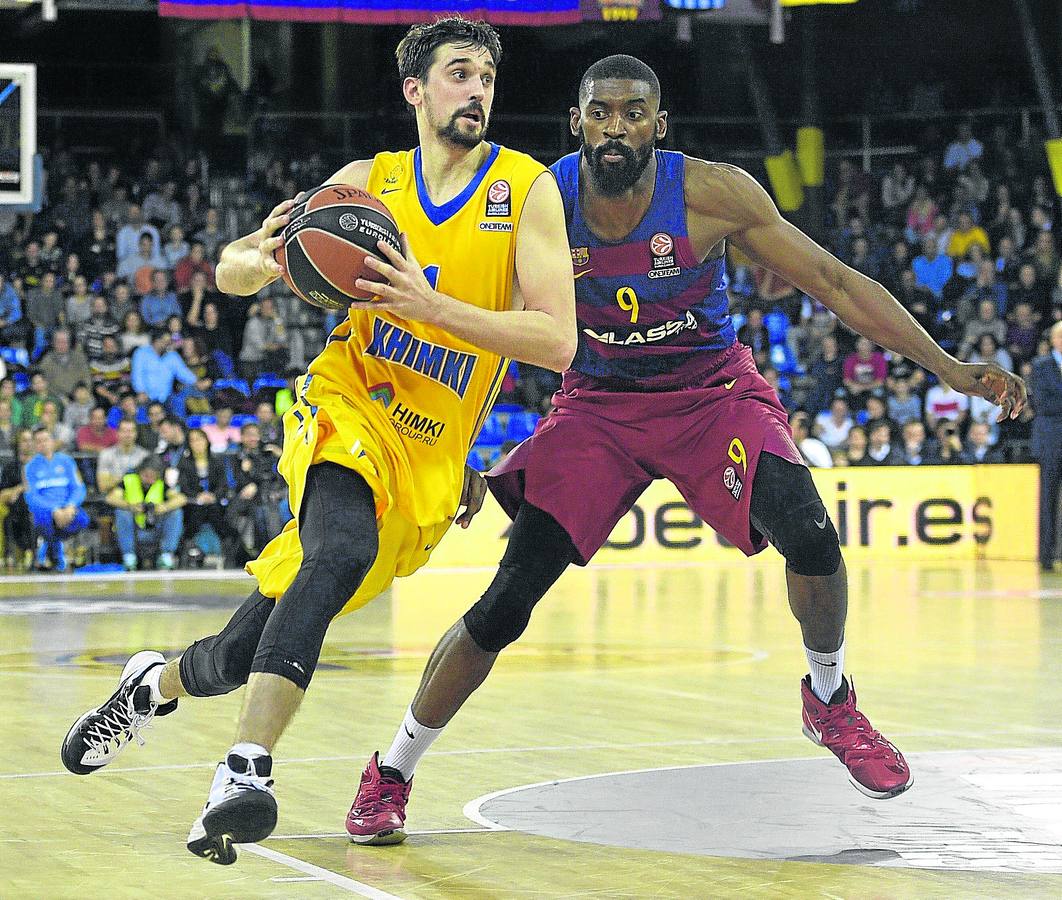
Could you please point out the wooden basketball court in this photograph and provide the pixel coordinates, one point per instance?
(685, 678)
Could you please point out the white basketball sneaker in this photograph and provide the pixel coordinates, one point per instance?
(241, 809)
(100, 734)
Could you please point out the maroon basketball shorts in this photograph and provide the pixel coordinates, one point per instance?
(590, 459)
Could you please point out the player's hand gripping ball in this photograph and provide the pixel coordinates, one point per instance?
(331, 232)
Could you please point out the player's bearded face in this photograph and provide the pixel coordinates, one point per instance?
(615, 166)
(465, 126)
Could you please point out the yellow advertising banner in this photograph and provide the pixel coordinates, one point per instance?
(903, 513)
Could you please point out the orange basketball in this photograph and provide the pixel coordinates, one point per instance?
(331, 232)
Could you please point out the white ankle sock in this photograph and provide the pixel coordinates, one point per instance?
(410, 744)
(248, 751)
(151, 679)
(827, 670)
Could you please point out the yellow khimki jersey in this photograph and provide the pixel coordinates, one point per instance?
(402, 402)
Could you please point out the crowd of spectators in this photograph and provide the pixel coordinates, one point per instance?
(139, 408)
(963, 235)
(139, 405)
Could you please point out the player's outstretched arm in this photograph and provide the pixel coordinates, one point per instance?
(754, 225)
(542, 333)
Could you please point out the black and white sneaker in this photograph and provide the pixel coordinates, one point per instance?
(99, 735)
(241, 809)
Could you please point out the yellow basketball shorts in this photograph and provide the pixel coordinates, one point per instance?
(337, 433)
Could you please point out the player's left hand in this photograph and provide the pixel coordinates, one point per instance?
(406, 292)
(988, 380)
(472, 494)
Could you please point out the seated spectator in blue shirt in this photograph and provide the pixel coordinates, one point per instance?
(161, 303)
(54, 494)
(963, 150)
(146, 256)
(156, 367)
(903, 405)
(932, 269)
(132, 233)
(13, 328)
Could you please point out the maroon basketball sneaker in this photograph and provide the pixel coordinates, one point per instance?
(874, 765)
(378, 815)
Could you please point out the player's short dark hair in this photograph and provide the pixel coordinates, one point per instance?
(619, 66)
(416, 51)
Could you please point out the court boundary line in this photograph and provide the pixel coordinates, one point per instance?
(234, 575)
(237, 574)
(343, 834)
(561, 748)
(307, 868)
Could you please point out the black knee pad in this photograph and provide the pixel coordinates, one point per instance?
(501, 615)
(539, 550)
(339, 539)
(808, 541)
(786, 507)
(221, 663)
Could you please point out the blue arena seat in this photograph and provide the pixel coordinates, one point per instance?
(490, 454)
(21, 380)
(521, 426)
(777, 324)
(268, 380)
(114, 416)
(493, 430)
(15, 356)
(200, 421)
(242, 419)
(224, 362)
(233, 384)
(784, 360)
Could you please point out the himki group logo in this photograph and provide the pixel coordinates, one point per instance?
(384, 393)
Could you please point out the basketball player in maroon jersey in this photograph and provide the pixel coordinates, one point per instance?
(660, 388)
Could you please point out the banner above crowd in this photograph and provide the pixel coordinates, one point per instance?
(381, 12)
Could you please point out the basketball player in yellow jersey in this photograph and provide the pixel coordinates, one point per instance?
(374, 448)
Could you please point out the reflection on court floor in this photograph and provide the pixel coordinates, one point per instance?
(685, 678)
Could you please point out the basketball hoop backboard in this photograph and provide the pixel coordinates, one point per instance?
(18, 132)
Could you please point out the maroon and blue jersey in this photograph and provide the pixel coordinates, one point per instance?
(648, 310)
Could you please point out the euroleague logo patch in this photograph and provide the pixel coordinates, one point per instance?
(731, 480)
(732, 483)
(661, 244)
(349, 222)
(662, 248)
(499, 199)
